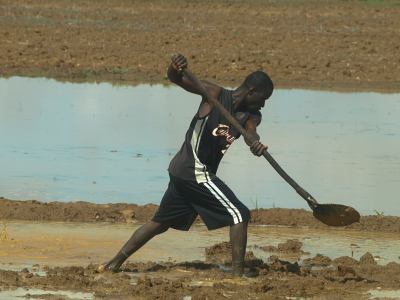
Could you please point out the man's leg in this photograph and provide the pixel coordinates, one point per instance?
(218, 206)
(140, 237)
(238, 237)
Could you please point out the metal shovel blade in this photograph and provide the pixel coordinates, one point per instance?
(336, 214)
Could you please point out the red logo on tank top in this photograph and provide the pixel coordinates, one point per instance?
(223, 130)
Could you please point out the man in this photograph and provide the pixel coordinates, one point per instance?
(194, 189)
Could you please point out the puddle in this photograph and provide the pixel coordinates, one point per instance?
(331, 243)
(382, 294)
(197, 283)
(102, 143)
(66, 244)
(174, 274)
(20, 293)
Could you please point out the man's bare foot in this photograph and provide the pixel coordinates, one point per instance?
(239, 272)
(106, 268)
(114, 264)
(101, 268)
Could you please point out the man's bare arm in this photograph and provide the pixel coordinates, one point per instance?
(256, 147)
(175, 75)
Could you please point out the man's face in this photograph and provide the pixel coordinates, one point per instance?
(255, 100)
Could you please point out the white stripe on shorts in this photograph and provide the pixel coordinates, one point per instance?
(237, 218)
(227, 200)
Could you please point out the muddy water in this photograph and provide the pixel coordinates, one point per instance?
(332, 243)
(20, 293)
(62, 244)
(384, 294)
(103, 143)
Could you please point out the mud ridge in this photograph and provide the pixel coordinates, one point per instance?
(33, 210)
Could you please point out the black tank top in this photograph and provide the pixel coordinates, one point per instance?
(206, 141)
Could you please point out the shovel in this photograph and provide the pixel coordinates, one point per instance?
(329, 214)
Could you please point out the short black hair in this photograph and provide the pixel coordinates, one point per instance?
(260, 81)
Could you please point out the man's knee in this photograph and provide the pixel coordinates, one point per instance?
(246, 215)
(161, 227)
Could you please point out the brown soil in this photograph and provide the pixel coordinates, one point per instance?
(308, 44)
(277, 279)
(290, 247)
(33, 210)
(318, 260)
(75, 211)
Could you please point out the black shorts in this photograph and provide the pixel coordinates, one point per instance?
(214, 201)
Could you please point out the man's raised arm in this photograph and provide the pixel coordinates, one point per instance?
(175, 75)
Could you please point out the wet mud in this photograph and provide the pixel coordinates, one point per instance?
(34, 210)
(288, 247)
(339, 278)
(304, 44)
(284, 271)
(64, 256)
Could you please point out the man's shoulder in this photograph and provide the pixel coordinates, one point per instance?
(214, 89)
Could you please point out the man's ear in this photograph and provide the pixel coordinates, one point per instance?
(251, 90)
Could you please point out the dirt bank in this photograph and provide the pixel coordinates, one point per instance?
(131, 213)
(341, 278)
(307, 44)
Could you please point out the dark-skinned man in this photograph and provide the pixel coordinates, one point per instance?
(194, 189)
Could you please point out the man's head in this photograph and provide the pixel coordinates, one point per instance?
(259, 88)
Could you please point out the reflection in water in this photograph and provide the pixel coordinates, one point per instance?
(62, 141)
